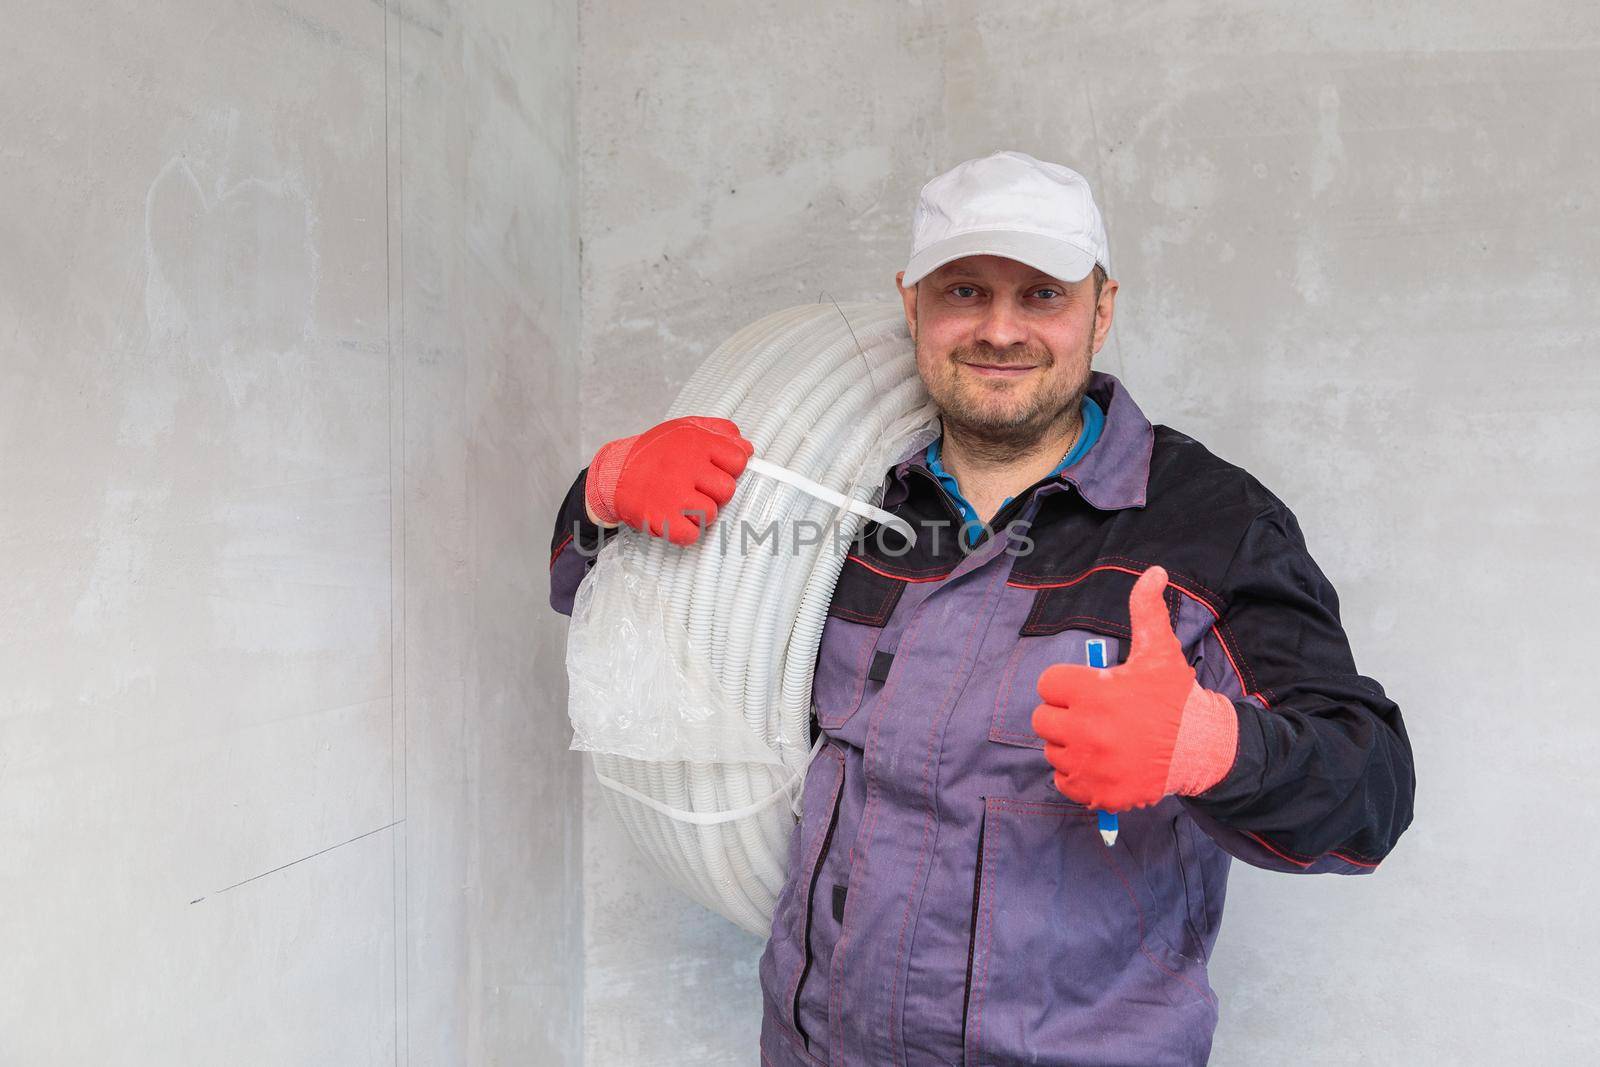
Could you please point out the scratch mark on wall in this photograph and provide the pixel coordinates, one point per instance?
(302, 859)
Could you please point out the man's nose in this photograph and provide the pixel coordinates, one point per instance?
(1002, 325)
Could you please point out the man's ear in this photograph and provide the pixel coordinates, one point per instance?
(909, 298)
(1104, 312)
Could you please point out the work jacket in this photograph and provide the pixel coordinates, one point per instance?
(945, 904)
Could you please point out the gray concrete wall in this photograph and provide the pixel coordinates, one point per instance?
(1357, 254)
(286, 291)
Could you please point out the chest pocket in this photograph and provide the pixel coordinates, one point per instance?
(1063, 621)
(848, 660)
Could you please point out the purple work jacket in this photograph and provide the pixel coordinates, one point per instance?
(945, 904)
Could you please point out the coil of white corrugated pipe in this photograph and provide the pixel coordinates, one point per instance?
(830, 393)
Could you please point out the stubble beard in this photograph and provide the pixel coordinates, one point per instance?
(1001, 432)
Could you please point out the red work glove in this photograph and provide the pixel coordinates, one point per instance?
(1123, 737)
(670, 480)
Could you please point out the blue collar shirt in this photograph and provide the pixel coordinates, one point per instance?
(971, 522)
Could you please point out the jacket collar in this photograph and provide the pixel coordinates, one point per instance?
(1112, 475)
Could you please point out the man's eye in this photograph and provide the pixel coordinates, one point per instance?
(1051, 293)
(957, 290)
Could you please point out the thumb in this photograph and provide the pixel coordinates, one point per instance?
(1152, 638)
(1066, 684)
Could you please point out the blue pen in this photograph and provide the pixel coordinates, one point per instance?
(1095, 653)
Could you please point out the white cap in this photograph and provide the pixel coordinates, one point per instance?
(1008, 204)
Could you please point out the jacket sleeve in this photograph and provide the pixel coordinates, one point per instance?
(1323, 778)
(573, 546)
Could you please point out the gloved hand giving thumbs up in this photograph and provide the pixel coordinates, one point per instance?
(1126, 736)
(670, 480)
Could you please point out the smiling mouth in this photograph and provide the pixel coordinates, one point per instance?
(1001, 370)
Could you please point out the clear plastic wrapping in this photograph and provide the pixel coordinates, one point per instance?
(638, 687)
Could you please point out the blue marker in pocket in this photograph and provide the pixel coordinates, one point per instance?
(1095, 653)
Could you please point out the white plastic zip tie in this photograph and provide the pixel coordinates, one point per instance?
(711, 818)
(838, 500)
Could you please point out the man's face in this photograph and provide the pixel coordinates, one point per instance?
(1004, 349)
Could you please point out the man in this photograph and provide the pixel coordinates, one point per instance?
(1125, 623)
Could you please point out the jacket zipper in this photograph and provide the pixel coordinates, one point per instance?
(972, 927)
(1188, 912)
(811, 914)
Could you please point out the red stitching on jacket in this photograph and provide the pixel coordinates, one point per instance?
(927, 818)
(860, 670)
(909, 576)
(885, 606)
(557, 552)
(1115, 629)
(1176, 583)
(890, 596)
(1047, 583)
(1035, 610)
(1138, 910)
(1041, 807)
(1229, 643)
(1370, 865)
(1241, 667)
(1004, 688)
(1240, 664)
(1023, 740)
(794, 1040)
(1224, 637)
(1248, 687)
(807, 869)
(869, 817)
(988, 938)
(1297, 859)
(1116, 869)
(853, 616)
(1186, 579)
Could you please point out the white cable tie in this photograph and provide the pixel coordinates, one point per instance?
(712, 818)
(838, 500)
(701, 818)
